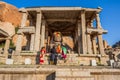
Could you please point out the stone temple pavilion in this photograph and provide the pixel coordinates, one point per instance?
(81, 24)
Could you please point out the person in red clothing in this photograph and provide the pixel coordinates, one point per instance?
(42, 53)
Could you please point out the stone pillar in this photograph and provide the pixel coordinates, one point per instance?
(100, 40)
(76, 47)
(7, 44)
(83, 31)
(78, 37)
(100, 44)
(28, 42)
(19, 43)
(32, 42)
(42, 43)
(46, 40)
(24, 19)
(94, 45)
(37, 32)
(19, 39)
(105, 44)
(98, 24)
(89, 45)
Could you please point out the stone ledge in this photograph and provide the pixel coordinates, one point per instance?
(74, 77)
(28, 54)
(90, 55)
(2, 55)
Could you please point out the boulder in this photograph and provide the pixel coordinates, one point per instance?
(7, 27)
(9, 13)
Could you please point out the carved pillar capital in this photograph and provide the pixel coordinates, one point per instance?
(89, 32)
(100, 33)
(98, 24)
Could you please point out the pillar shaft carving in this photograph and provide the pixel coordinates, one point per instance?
(83, 30)
(32, 42)
(78, 37)
(24, 19)
(89, 44)
(19, 43)
(19, 39)
(100, 40)
(37, 33)
(100, 44)
(7, 44)
(94, 45)
(98, 24)
(42, 42)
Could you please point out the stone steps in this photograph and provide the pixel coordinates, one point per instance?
(71, 59)
(73, 74)
(75, 78)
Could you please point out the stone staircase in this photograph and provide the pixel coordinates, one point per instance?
(71, 59)
(73, 74)
(69, 73)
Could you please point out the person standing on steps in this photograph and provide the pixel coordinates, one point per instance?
(64, 52)
(53, 56)
(42, 54)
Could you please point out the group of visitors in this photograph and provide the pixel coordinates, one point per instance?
(57, 52)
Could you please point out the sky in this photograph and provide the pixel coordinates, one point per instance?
(110, 15)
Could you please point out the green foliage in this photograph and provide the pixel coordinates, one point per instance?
(2, 44)
(12, 45)
(16, 29)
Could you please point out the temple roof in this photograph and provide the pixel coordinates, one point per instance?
(62, 18)
(3, 33)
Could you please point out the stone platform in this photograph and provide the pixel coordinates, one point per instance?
(40, 72)
(72, 59)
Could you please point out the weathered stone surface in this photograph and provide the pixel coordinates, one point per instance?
(24, 40)
(9, 13)
(68, 41)
(7, 27)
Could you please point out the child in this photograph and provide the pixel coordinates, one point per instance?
(42, 52)
(64, 53)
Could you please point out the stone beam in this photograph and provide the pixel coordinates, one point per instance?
(5, 38)
(61, 9)
(30, 29)
(4, 33)
(97, 30)
(61, 20)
